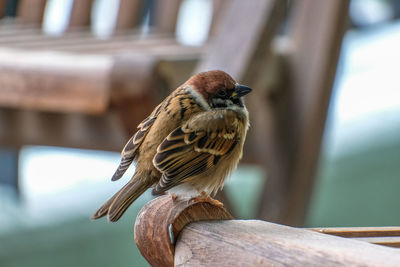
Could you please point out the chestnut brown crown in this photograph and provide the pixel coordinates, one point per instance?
(209, 83)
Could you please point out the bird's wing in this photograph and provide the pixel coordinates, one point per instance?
(195, 147)
(129, 151)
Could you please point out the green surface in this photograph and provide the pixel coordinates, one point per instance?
(244, 190)
(361, 188)
(76, 243)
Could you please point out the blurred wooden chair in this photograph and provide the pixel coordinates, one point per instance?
(80, 90)
(78, 72)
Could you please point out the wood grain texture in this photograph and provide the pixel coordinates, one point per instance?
(260, 243)
(152, 234)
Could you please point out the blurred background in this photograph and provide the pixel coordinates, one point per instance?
(76, 77)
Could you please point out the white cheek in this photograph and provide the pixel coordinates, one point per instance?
(199, 98)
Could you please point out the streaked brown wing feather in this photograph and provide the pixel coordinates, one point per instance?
(128, 153)
(195, 147)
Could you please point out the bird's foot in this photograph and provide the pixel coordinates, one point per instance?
(206, 198)
(203, 197)
(215, 202)
(173, 196)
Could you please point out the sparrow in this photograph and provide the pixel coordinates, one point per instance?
(189, 144)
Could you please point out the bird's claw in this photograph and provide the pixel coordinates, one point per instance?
(206, 198)
(173, 196)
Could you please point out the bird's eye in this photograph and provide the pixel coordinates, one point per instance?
(221, 93)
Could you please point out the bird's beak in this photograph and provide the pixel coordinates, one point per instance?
(240, 90)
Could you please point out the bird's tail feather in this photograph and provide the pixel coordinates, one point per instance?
(104, 209)
(116, 206)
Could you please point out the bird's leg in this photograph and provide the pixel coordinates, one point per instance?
(203, 197)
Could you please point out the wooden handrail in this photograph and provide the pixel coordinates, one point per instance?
(260, 243)
(241, 242)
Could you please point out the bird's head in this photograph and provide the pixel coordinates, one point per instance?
(218, 89)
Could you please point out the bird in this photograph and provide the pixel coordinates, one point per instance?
(188, 145)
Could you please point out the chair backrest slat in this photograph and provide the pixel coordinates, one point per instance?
(165, 15)
(129, 14)
(80, 13)
(31, 11)
(219, 6)
(2, 7)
